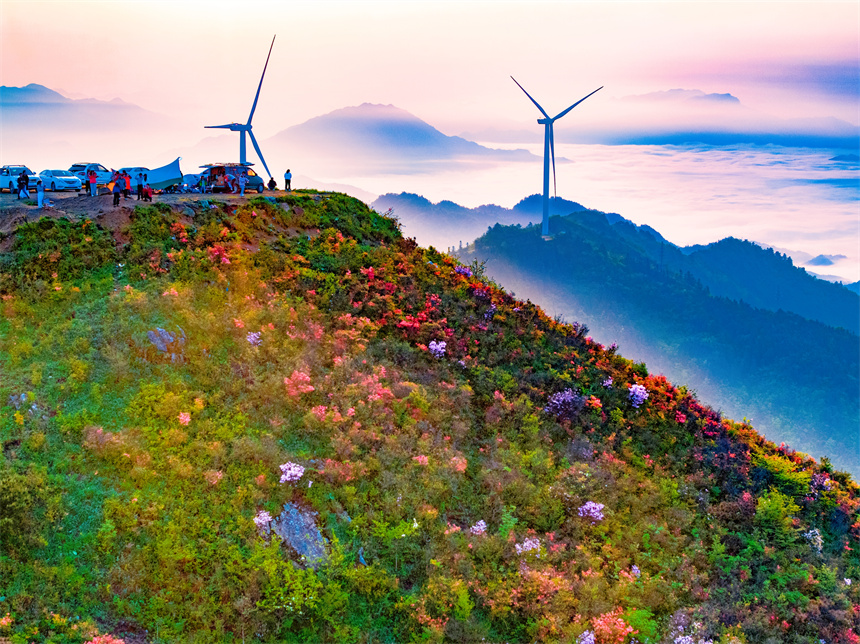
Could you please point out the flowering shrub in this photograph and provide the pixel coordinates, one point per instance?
(463, 270)
(262, 519)
(479, 528)
(291, 472)
(586, 638)
(565, 404)
(105, 639)
(184, 418)
(610, 628)
(592, 510)
(528, 545)
(297, 384)
(638, 395)
(254, 338)
(437, 349)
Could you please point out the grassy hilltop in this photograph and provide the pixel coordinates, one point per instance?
(181, 386)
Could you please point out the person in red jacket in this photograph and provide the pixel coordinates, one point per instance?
(126, 178)
(93, 179)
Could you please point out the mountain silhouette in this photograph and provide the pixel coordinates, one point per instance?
(382, 137)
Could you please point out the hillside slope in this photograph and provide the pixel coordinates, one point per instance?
(796, 378)
(281, 421)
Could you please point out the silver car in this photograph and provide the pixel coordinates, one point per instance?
(60, 180)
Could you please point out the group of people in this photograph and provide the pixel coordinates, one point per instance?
(122, 186)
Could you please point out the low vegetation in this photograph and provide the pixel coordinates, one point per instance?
(478, 471)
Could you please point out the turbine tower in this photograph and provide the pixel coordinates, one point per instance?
(243, 129)
(549, 151)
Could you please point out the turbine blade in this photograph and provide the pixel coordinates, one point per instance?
(530, 96)
(577, 103)
(552, 155)
(219, 126)
(259, 154)
(259, 87)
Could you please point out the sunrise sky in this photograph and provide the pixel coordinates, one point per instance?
(446, 62)
(785, 68)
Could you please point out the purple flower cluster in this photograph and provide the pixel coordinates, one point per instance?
(291, 472)
(635, 570)
(565, 404)
(819, 483)
(638, 395)
(463, 270)
(479, 528)
(490, 312)
(592, 510)
(437, 349)
(586, 638)
(532, 543)
(255, 338)
(608, 382)
(262, 519)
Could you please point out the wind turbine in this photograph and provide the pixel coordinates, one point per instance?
(243, 129)
(549, 151)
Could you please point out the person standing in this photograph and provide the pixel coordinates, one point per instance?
(93, 180)
(138, 180)
(243, 179)
(117, 189)
(40, 192)
(288, 176)
(126, 184)
(22, 183)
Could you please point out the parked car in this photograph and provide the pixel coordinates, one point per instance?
(219, 175)
(80, 170)
(60, 180)
(9, 177)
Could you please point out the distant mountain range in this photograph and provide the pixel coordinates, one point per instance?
(682, 116)
(447, 224)
(739, 270)
(42, 128)
(725, 319)
(36, 107)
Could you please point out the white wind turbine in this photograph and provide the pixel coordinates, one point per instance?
(549, 151)
(242, 129)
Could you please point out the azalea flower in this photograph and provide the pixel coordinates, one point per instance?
(291, 472)
(638, 395)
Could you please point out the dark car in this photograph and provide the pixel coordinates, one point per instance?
(9, 177)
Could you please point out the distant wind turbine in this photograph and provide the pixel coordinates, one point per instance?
(549, 151)
(242, 129)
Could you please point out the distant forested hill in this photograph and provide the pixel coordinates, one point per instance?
(798, 379)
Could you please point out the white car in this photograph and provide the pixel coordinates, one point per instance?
(103, 175)
(9, 177)
(60, 180)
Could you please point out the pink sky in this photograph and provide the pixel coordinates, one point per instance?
(449, 63)
(446, 62)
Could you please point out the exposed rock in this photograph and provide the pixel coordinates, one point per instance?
(168, 343)
(296, 526)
